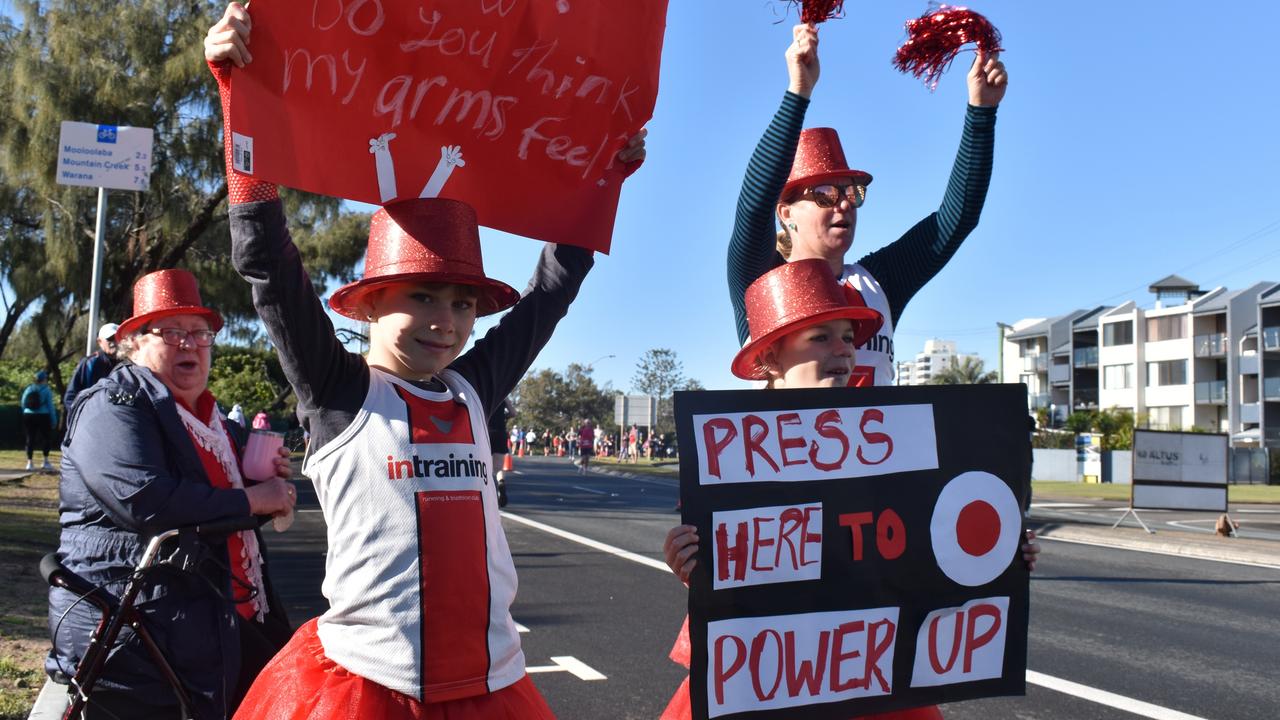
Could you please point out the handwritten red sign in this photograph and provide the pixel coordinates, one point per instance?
(517, 107)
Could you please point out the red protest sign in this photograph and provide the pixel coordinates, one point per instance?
(516, 107)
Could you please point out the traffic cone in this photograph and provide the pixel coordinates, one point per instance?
(520, 450)
(506, 462)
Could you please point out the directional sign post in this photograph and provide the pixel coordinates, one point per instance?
(103, 156)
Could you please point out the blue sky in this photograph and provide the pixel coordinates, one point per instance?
(1137, 139)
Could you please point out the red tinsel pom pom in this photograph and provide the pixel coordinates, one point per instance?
(935, 38)
(816, 11)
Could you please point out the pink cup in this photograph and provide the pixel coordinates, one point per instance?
(260, 454)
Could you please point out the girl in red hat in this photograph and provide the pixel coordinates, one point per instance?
(418, 573)
(802, 181)
(804, 331)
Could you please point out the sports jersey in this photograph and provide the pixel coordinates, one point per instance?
(418, 576)
(873, 359)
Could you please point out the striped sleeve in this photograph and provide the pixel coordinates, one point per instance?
(904, 266)
(752, 250)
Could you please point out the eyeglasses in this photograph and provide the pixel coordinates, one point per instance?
(178, 336)
(828, 196)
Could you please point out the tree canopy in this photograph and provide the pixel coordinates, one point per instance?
(547, 400)
(966, 370)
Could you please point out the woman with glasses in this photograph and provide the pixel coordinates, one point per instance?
(803, 180)
(146, 450)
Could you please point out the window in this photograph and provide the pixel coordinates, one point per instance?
(1166, 328)
(1117, 333)
(1165, 418)
(1166, 372)
(1117, 377)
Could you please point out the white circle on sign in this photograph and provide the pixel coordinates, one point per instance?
(975, 528)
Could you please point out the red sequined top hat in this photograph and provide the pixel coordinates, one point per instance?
(166, 293)
(428, 240)
(792, 297)
(820, 159)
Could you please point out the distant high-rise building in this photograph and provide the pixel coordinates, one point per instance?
(938, 355)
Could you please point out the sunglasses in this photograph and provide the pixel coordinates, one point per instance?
(828, 196)
(178, 336)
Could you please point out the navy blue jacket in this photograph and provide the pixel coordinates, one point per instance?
(90, 370)
(129, 471)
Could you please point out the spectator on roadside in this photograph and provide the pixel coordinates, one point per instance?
(237, 415)
(94, 367)
(633, 444)
(39, 418)
(261, 422)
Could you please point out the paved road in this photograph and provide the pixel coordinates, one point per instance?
(1191, 638)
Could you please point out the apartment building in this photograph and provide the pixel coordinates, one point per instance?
(1206, 359)
(938, 355)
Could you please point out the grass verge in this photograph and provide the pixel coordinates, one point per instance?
(28, 530)
(1098, 491)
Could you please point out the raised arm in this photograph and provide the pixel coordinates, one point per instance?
(752, 246)
(907, 264)
(322, 372)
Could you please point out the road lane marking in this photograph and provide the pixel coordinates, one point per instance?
(586, 489)
(1058, 505)
(520, 628)
(1102, 697)
(593, 544)
(571, 665)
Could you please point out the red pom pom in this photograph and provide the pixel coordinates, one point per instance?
(935, 38)
(816, 11)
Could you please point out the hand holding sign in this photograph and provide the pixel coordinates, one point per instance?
(526, 90)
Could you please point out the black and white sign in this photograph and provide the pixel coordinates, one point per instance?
(106, 156)
(859, 548)
(1179, 471)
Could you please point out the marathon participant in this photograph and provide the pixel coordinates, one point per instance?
(498, 442)
(419, 576)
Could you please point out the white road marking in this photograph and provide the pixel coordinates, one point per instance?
(521, 628)
(585, 489)
(593, 544)
(1057, 505)
(1102, 697)
(571, 665)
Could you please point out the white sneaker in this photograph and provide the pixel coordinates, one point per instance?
(47, 467)
(30, 466)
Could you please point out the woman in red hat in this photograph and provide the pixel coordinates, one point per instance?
(418, 574)
(802, 180)
(147, 450)
(804, 331)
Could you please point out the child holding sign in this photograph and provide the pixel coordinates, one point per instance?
(803, 333)
(418, 574)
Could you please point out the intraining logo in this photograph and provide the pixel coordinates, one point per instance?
(107, 134)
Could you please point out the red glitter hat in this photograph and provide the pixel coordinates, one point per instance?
(166, 293)
(819, 159)
(792, 297)
(429, 240)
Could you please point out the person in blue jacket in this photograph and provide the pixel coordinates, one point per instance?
(94, 367)
(146, 450)
(39, 418)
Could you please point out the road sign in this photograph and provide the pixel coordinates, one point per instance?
(635, 410)
(105, 156)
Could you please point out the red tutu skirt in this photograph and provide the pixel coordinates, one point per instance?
(301, 683)
(680, 708)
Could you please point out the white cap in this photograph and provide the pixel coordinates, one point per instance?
(108, 331)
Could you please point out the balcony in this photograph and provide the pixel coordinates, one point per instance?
(1271, 339)
(1213, 392)
(1271, 389)
(1249, 364)
(1060, 374)
(1251, 413)
(1035, 363)
(1085, 357)
(1085, 398)
(1214, 345)
(1042, 401)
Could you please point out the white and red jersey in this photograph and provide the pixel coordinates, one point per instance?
(418, 575)
(874, 358)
